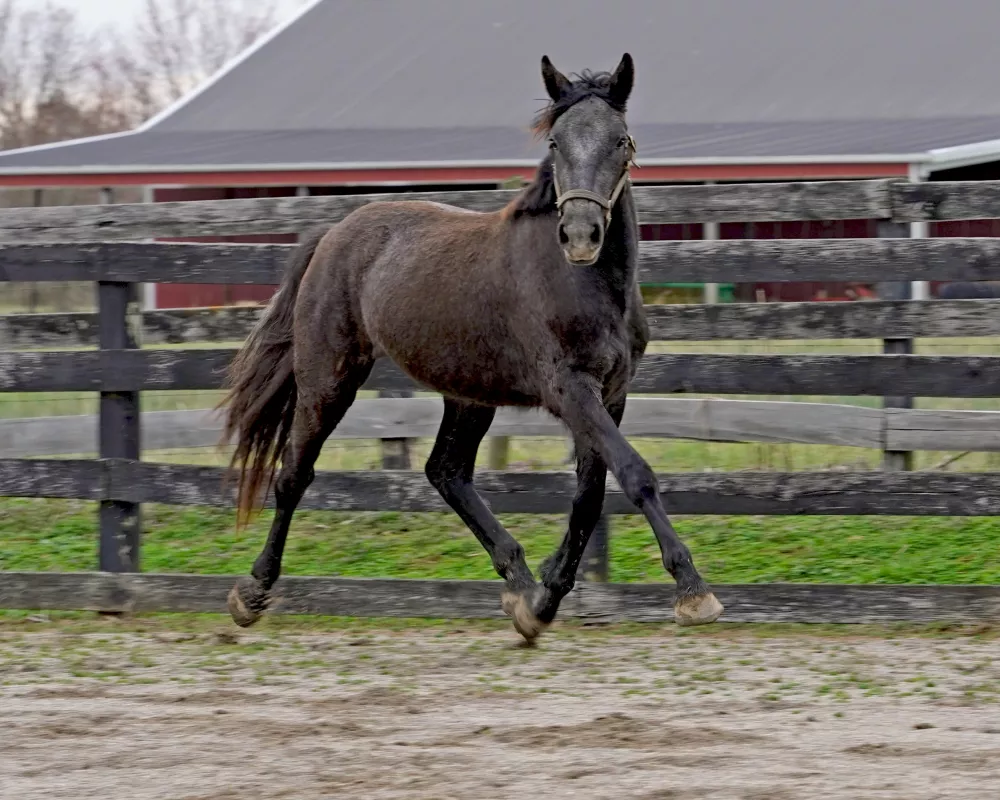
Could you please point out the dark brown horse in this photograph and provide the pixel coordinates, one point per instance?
(534, 305)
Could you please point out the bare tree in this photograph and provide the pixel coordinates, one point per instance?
(178, 44)
(42, 57)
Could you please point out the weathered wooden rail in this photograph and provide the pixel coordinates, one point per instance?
(109, 245)
(707, 420)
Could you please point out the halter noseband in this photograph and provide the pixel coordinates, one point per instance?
(607, 204)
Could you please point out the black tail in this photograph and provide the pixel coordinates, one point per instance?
(262, 391)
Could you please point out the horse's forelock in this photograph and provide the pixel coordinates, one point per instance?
(583, 85)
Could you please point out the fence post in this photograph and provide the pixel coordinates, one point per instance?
(594, 564)
(395, 452)
(710, 232)
(119, 430)
(896, 460)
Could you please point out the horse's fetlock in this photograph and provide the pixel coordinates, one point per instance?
(506, 556)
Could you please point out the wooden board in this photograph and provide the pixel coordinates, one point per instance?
(741, 260)
(373, 597)
(820, 493)
(872, 375)
(419, 417)
(940, 200)
(655, 204)
(918, 429)
(754, 260)
(876, 319)
(62, 479)
(711, 420)
(143, 262)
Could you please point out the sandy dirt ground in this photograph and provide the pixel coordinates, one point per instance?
(461, 712)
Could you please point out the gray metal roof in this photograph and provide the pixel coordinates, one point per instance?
(408, 81)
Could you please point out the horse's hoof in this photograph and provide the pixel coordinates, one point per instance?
(516, 606)
(699, 609)
(248, 601)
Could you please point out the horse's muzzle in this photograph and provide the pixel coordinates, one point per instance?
(581, 232)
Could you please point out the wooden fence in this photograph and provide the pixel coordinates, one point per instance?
(99, 244)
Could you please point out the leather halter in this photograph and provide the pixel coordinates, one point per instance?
(607, 204)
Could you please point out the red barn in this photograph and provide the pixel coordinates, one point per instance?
(394, 95)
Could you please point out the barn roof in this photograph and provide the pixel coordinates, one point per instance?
(396, 83)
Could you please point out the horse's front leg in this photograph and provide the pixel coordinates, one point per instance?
(559, 570)
(581, 408)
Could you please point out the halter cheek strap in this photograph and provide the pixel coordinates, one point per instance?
(607, 204)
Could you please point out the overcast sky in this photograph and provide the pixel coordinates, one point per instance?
(95, 13)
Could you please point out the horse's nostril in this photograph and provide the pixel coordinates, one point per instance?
(595, 234)
(563, 237)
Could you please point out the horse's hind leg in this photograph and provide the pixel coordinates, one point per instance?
(449, 469)
(317, 413)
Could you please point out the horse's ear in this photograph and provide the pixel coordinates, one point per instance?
(556, 84)
(621, 82)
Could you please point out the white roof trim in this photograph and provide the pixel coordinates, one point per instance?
(116, 169)
(964, 155)
(233, 64)
(34, 148)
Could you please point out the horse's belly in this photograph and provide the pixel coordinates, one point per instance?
(482, 375)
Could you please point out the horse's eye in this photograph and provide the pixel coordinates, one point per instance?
(553, 145)
(623, 141)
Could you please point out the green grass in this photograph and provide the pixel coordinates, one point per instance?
(61, 536)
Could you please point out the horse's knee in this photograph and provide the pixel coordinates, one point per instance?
(638, 481)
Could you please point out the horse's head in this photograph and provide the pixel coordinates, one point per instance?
(591, 152)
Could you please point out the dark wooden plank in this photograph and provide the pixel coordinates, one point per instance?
(818, 493)
(873, 375)
(825, 493)
(113, 370)
(210, 217)
(118, 431)
(862, 320)
(763, 202)
(74, 329)
(938, 200)
(144, 262)
(191, 325)
(59, 479)
(378, 598)
(655, 204)
(750, 260)
(966, 259)
(673, 322)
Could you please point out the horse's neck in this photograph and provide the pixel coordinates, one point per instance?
(620, 257)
